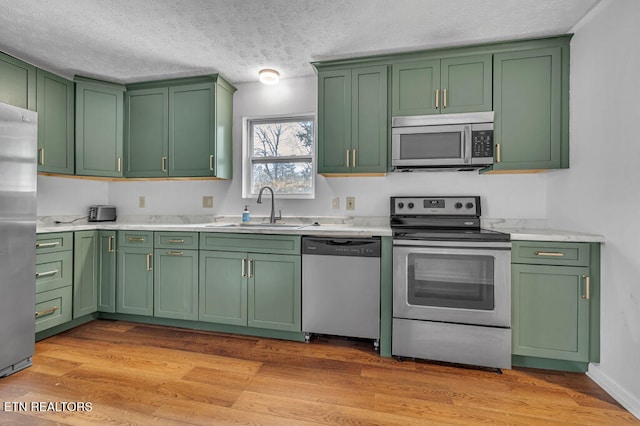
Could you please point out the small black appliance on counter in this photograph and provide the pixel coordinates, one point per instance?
(101, 213)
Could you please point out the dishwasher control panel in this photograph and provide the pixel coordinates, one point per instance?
(357, 247)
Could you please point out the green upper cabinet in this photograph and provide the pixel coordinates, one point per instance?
(17, 82)
(353, 120)
(179, 128)
(531, 100)
(55, 102)
(99, 128)
(147, 132)
(437, 86)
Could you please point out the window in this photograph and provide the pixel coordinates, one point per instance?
(279, 152)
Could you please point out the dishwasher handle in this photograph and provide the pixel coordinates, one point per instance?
(355, 247)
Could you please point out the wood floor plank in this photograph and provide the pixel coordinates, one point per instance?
(147, 374)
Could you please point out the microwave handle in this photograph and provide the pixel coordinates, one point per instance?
(466, 144)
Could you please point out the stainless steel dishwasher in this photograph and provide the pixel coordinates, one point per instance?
(341, 287)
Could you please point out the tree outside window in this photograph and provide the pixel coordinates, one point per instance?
(281, 155)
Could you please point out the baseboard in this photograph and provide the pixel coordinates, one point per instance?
(627, 400)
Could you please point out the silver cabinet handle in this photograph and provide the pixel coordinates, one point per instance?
(250, 271)
(211, 162)
(119, 164)
(110, 244)
(437, 98)
(175, 253)
(45, 245)
(444, 98)
(549, 253)
(354, 158)
(149, 268)
(587, 282)
(244, 270)
(498, 156)
(176, 241)
(164, 164)
(46, 312)
(347, 158)
(47, 274)
(41, 152)
(136, 239)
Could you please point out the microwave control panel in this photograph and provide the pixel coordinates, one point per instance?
(482, 143)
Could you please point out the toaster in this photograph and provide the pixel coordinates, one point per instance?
(102, 213)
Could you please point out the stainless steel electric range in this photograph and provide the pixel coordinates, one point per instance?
(451, 283)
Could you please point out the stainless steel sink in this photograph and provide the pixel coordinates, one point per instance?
(254, 225)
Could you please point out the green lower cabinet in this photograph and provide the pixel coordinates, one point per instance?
(107, 271)
(274, 291)
(223, 287)
(175, 284)
(85, 273)
(135, 281)
(550, 312)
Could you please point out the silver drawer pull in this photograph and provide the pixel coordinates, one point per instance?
(46, 274)
(46, 312)
(176, 241)
(137, 239)
(45, 245)
(175, 253)
(549, 253)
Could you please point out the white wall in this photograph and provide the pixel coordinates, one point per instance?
(64, 196)
(600, 192)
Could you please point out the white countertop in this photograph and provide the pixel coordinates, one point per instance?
(530, 230)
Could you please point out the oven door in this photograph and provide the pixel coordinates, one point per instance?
(465, 283)
(425, 146)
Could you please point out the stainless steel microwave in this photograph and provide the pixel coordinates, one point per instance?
(442, 142)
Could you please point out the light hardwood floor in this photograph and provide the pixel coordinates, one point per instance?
(143, 374)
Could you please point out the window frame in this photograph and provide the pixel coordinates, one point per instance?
(248, 160)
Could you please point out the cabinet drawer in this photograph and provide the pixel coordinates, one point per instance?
(54, 270)
(54, 242)
(170, 240)
(550, 253)
(255, 243)
(135, 239)
(53, 308)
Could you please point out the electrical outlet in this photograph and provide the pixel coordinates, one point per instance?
(207, 202)
(141, 202)
(335, 203)
(351, 203)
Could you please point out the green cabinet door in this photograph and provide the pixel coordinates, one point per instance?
(334, 121)
(466, 84)
(175, 284)
(223, 287)
(530, 100)
(147, 132)
(352, 120)
(192, 130)
(369, 132)
(56, 110)
(415, 88)
(107, 271)
(17, 82)
(135, 281)
(274, 291)
(99, 128)
(550, 312)
(85, 273)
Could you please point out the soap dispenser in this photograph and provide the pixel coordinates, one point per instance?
(245, 214)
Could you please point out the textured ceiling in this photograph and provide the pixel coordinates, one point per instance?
(137, 40)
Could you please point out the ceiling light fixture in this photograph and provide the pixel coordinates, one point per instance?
(269, 76)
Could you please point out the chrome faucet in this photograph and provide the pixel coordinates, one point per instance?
(273, 217)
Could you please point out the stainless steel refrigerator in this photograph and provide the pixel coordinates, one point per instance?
(18, 177)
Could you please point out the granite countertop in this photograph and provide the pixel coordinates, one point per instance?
(364, 226)
(321, 226)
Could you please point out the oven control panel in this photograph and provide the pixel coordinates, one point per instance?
(432, 206)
